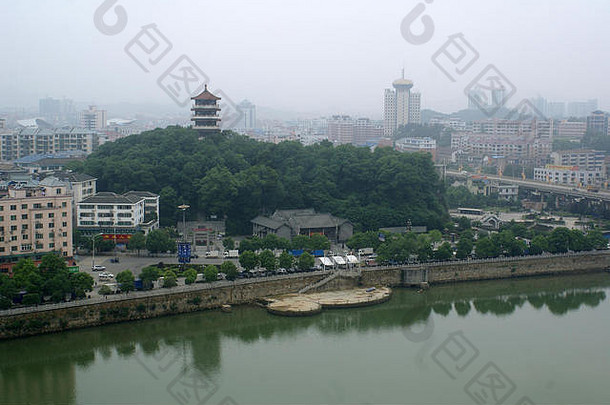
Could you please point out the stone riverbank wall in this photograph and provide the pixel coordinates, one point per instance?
(147, 304)
(488, 269)
(142, 305)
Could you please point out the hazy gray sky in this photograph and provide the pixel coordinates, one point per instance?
(331, 56)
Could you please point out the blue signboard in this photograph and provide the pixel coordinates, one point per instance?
(184, 252)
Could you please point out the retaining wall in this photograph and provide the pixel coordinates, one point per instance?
(33, 321)
(138, 306)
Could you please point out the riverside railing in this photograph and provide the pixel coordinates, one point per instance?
(225, 283)
(154, 293)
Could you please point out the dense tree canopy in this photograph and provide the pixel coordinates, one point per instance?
(50, 279)
(233, 175)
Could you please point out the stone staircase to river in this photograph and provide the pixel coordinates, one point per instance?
(344, 274)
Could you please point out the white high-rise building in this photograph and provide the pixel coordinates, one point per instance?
(389, 113)
(415, 108)
(400, 106)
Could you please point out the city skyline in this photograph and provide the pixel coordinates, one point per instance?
(250, 58)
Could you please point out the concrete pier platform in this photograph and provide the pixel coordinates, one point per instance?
(311, 304)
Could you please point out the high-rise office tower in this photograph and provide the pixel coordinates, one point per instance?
(400, 106)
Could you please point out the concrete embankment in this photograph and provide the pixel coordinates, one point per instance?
(135, 306)
(488, 269)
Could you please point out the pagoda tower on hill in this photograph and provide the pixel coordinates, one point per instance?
(206, 111)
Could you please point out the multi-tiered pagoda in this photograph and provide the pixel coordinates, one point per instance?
(205, 113)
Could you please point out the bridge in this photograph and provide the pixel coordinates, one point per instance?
(572, 191)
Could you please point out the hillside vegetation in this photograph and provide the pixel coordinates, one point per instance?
(233, 175)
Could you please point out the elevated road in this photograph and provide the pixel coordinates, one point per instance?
(602, 195)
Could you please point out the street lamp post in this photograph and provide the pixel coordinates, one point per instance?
(184, 207)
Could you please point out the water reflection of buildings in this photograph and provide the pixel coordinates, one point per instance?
(46, 366)
(36, 383)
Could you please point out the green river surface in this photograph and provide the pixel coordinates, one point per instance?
(520, 341)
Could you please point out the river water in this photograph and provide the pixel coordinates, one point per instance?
(543, 340)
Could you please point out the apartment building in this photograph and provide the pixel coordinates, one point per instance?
(425, 144)
(571, 129)
(38, 141)
(570, 175)
(586, 159)
(118, 216)
(35, 219)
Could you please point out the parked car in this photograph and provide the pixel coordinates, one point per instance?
(98, 267)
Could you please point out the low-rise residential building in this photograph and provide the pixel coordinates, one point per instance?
(51, 162)
(117, 216)
(515, 149)
(597, 122)
(425, 144)
(151, 205)
(39, 141)
(586, 159)
(571, 129)
(570, 175)
(290, 223)
(344, 129)
(35, 219)
(509, 192)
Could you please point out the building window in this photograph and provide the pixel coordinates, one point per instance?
(38, 225)
(51, 215)
(64, 244)
(64, 234)
(51, 224)
(24, 227)
(1, 207)
(64, 224)
(51, 234)
(1, 249)
(38, 216)
(13, 228)
(50, 205)
(58, 191)
(39, 236)
(13, 207)
(25, 236)
(24, 206)
(24, 216)
(37, 205)
(13, 217)
(1, 218)
(64, 214)
(13, 248)
(13, 238)
(63, 204)
(51, 245)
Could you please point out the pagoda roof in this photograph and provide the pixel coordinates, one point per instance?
(205, 95)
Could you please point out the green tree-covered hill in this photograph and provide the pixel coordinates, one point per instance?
(233, 175)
